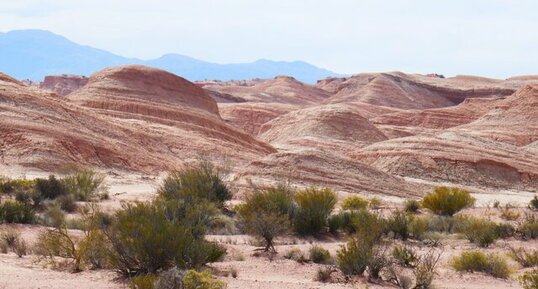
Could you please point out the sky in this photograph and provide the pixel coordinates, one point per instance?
(495, 38)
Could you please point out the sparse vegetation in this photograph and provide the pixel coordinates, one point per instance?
(526, 258)
(426, 269)
(201, 182)
(11, 240)
(324, 274)
(477, 261)
(16, 212)
(482, 232)
(355, 257)
(528, 229)
(533, 204)
(354, 203)
(320, 255)
(296, 255)
(85, 184)
(201, 280)
(405, 256)
(266, 214)
(314, 207)
(529, 280)
(398, 224)
(447, 201)
(412, 206)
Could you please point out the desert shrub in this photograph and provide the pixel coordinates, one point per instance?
(504, 230)
(529, 280)
(528, 229)
(319, 255)
(412, 206)
(85, 184)
(296, 255)
(477, 261)
(526, 258)
(418, 227)
(357, 254)
(314, 206)
(447, 201)
(16, 186)
(533, 204)
(426, 269)
(170, 279)
(398, 224)
(266, 214)
(375, 203)
(57, 243)
(405, 256)
(354, 203)
(51, 188)
(67, 203)
(95, 249)
(509, 213)
(377, 263)
(323, 274)
(12, 240)
(203, 181)
(201, 280)
(143, 282)
(342, 221)
(147, 238)
(479, 231)
(16, 212)
(53, 216)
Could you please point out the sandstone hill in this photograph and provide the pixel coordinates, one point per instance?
(383, 133)
(127, 118)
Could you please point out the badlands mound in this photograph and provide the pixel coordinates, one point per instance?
(126, 118)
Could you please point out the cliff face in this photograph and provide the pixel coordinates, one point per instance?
(63, 84)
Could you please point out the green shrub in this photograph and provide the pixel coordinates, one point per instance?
(477, 261)
(67, 203)
(533, 204)
(267, 214)
(526, 258)
(95, 249)
(147, 238)
(369, 224)
(405, 256)
(426, 269)
(203, 181)
(354, 203)
(53, 216)
(143, 282)
(170, 279)
(377, 263)
(528, 229)
(354, 257)
(16, 186)
(504, 230)
(314, 206)
(447, 201)
(323, 274)
(398, 224)
(375, 203)
(412, 206)
(479, 231)
(529, 280)
(418, 227)
(51, 188)
(16, 212)
(85, 184)
(296, 255)
(342, 221)
(201, 280)
(320, 255)
(57, 243)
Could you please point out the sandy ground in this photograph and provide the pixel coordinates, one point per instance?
(253, 272)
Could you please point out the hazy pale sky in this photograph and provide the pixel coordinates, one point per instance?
(495, 38)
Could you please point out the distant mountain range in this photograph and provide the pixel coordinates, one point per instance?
(33, 54)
